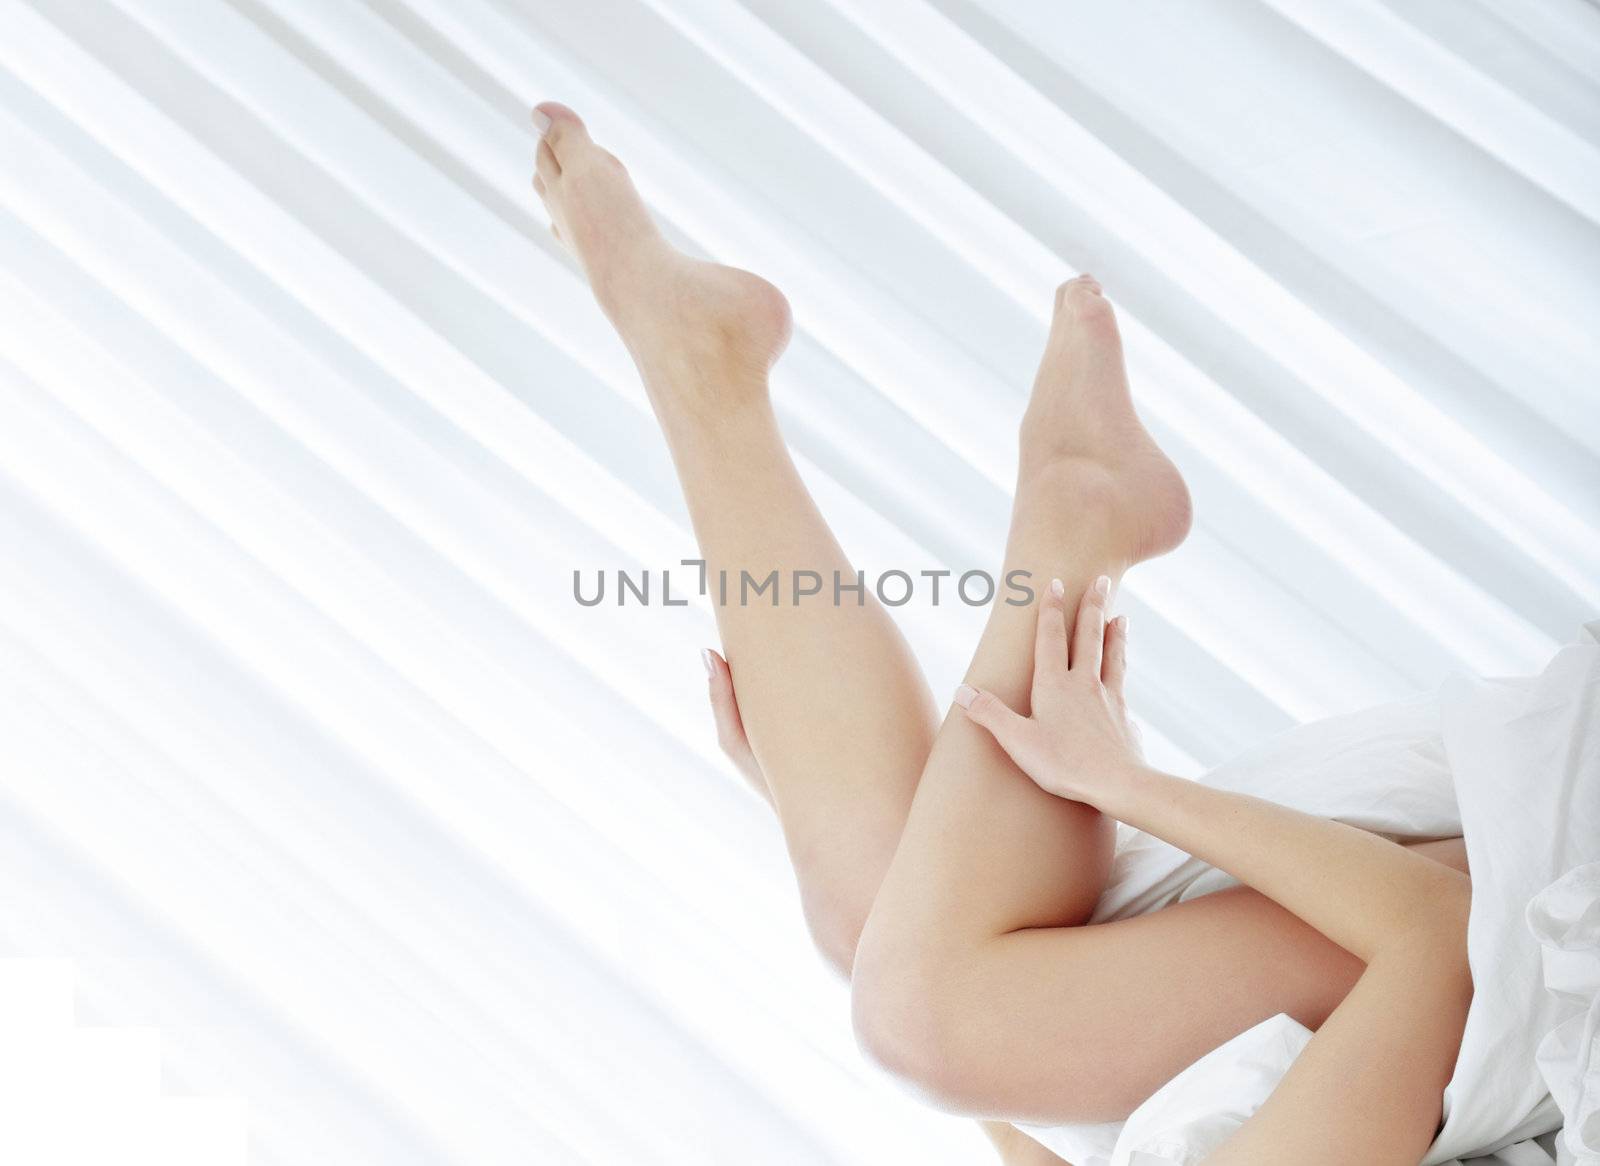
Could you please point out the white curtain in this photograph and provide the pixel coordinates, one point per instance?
(310, 758)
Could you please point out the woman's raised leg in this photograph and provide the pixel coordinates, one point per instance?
(972, 979)
(834, 705)
(985, 853)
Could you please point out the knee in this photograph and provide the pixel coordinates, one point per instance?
(908, 1035)
(934, 1015)
(911, 1020)
(944, 1038)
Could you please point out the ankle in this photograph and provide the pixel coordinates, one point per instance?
(1128, 512)
(1064, 498)
(1056, 480)
(687, 362)
(693, 408)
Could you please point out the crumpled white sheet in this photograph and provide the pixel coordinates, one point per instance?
(1514, 767)
(1565, 919)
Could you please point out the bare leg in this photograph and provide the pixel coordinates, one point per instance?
(703, 338)
(971, 980)
(1030, 1023)
(836, 710)
(1014, 1147)
(986, 853)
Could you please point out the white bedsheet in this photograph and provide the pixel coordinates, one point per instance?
(1514, 767)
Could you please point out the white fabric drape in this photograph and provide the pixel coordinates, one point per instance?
(311, 759)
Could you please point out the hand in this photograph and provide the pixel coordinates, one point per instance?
(730, 725)
(1079, 742)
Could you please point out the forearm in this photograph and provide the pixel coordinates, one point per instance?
(1360, 890)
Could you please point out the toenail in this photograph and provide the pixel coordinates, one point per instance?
(541, 122)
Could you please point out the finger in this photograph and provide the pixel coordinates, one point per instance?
(1050, 638)
(538, 185)
(731, 736)
(548, 169)
(1114, 667)
(1088, 638)
(725, 706)
(562, 128)
(988, 710)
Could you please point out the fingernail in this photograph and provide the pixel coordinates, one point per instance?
(541, 122)
(1122, 622)
(1102, 586)
(1057, 588)
(710, 663)
(965, 695)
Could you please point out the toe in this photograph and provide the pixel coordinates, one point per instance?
(1081, 299)
(1076, 288)
(566, 130)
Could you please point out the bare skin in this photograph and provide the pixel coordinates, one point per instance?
(1422, 960)
(1370, 1085)
(972, 977)
(703, 337)
(1014, 1147)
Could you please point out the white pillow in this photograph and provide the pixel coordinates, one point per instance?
(1195, 1112)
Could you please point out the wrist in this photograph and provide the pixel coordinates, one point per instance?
(1128, 790)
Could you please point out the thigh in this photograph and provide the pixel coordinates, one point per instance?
(1145, 998)
(1084, 1023)
(1060, 1024)
(1452, 852)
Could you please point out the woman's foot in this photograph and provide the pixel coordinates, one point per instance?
(1080, 428)
(680, 317)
